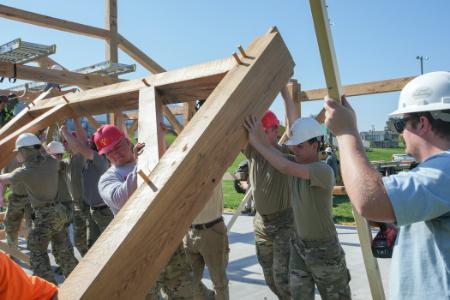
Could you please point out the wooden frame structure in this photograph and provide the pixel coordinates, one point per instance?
(164, 177)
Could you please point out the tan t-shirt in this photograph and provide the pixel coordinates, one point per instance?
(75, 177)
(271, 189)
(213, 208)
(39, 175)
(312, 202)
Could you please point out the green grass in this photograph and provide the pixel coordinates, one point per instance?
(232, 199)
(384, 153)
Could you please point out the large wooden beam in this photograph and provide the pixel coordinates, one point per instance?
(50, 22)
(124, 95)
(55, 76)
(139, 56)
(111, 47)
(155, 218)
(359, 89)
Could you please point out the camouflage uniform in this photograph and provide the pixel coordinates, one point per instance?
(81, 213)
(175, 281)
(19, 207)
(39, 175)
(320, 262)
(273, 222)
(66, 202)
(317, 258)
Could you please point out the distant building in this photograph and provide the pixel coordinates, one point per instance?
(388, 138)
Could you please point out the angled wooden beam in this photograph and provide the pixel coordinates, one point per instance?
(14, 252)
(93, 122)
(55, 114)
(54, 76)
(158, 214)
(50, 22)
(139, 56)
(124, 95)
(359, 89)
(329, 64)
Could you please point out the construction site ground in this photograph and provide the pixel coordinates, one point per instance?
(245, 274)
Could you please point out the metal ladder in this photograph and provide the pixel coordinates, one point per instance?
(21, 52)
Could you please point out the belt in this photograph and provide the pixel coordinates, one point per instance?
(45, 205)
(207, 225)
(271, 217)
(99, 207)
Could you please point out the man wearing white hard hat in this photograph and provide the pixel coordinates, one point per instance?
(419, 200)
(317, 258)
(39, 175)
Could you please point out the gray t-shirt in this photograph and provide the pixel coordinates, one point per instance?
(312, 203)
(271, 189)
(92, 171)
(117, 184)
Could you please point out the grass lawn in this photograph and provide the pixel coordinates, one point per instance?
(384, 153)
(342, 209)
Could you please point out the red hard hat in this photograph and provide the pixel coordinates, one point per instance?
(106, 137)
(269, 120)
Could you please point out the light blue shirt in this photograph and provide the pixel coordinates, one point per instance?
(420, 267)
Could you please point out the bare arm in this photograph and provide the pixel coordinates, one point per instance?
(259, 141)
(75, 144)
(81, 134)
(362, 182)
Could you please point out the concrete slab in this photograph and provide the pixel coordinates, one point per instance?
(245, 274)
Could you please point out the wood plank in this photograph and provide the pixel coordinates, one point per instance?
(50, 22)
(339, 190)
(14, 252)
(359, 89)
(329, 64)
(54, 76)
(177, 127)
(7, 144)
(326, 48)
(111, 46)
(159, 215)
(124, 95)
(370, 262)
(139, 56)
(150, 131)
(2, 234)
(93, 122)
(2, 216)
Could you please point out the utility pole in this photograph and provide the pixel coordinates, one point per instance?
(421, 58)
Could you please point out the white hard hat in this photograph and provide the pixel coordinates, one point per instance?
(329, 150)
(303, 130)
(25, 140)
(55, 147)
(428, 92)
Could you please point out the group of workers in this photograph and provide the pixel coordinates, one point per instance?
(296, 239)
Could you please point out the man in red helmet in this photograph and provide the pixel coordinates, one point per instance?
(117, 184)
(273, 222)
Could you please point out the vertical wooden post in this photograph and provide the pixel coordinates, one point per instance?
(189, 111)
(150, 131)
(111, 44)
(294, 88)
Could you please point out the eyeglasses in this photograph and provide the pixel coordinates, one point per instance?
(400, 124)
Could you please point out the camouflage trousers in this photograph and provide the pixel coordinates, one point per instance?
(176, 280)
(320, 263)
(59, 257)
(49, 225)
(101, 218)
(18, 208)
(209, 247)
(272, 235)
(85, 231)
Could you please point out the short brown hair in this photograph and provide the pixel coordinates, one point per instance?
(438, 126)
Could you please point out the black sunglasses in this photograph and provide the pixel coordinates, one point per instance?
(400, 124)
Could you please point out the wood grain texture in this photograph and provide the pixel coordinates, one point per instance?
(118, 265)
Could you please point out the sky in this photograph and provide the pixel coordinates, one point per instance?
(373, 40)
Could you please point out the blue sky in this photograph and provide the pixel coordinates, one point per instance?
(374, 40)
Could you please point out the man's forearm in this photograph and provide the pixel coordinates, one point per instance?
(362, 182)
